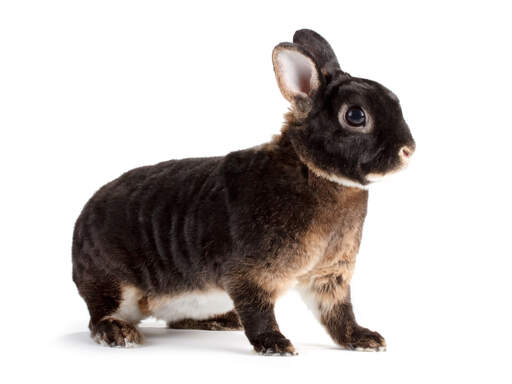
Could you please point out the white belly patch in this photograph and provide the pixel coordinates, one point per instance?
(193, 305)
(197, 305)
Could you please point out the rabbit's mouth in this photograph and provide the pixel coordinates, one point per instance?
(405, 153)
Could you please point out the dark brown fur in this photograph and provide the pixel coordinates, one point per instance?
(252, 223)
(227, 322)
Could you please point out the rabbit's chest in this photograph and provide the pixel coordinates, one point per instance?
(335, 236)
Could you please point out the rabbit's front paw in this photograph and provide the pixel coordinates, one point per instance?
(362, 339)
(273, 344)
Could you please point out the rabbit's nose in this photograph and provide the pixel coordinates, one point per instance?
(405, 153)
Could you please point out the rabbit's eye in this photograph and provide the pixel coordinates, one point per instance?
(355, 116)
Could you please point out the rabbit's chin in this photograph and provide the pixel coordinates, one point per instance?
(375, 177)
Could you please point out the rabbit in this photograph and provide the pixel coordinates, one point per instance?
(211, 243)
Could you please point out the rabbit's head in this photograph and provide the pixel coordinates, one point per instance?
(347, 129)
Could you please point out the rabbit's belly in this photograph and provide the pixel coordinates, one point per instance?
(197, 305)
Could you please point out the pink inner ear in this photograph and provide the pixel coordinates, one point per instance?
(305, 83)
(297, 74)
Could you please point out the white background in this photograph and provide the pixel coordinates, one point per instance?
(90, 89)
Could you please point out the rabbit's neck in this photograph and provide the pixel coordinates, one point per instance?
(283, 144)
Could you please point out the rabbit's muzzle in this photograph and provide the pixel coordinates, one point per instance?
(405, 153)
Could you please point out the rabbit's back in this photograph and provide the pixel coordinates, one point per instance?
(161, 228)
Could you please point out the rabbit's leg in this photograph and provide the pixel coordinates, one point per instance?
(114, 313)
(226, 322)
(329, 299)
(255, 306)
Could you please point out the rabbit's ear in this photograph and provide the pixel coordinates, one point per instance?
(296, 72)
(320, 50)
